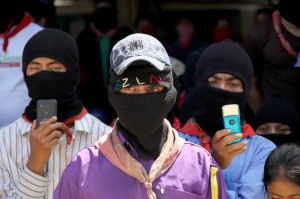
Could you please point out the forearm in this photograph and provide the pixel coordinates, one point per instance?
(25, 185)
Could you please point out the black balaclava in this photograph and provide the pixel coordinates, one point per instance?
(224, 57)
(289, 10)
(105, 18)
(277, 109)
(60, 46)
(10, 10)
(141, 115)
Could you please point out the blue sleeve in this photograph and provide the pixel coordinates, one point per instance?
(244, 175)
(189, 138)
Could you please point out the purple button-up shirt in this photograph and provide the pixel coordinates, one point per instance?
(91, 176)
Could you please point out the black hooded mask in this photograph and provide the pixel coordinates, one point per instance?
(224, 57)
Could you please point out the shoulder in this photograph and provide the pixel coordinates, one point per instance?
(92, 124)
(258, 141)
(196, 153)
(258, 147)
(189, 138)
(84, 158)
(18, 126)
(32, 28)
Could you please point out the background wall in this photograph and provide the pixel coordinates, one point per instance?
(72, 13)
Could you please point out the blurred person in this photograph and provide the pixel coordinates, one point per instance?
(186, 41)
(273, 48)
(142, 157)
(33, 158)
(278, 121)
(223, 76)
(43, 12)
(145, 23)
(223, 29)
(16, 29)
(282, 172)
(262, 16)
(95, 43)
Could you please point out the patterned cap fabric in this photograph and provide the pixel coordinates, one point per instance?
(138, 47)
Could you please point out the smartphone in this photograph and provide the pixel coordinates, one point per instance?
(45, 109)
(231, 119)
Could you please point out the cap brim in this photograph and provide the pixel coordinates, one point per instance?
(154, 62)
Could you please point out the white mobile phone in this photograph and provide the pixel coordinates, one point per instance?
(231, 119)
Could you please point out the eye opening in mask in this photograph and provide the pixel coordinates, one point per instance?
(142, 89)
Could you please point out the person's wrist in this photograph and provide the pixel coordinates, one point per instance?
(35, 167)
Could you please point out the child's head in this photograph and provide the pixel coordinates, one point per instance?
(282, 172)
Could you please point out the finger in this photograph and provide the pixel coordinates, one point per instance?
(33, 126)
(49, 121)
(220, 134)
(51, 127)
(52, 136)
(52, 143)
(44, 124)
(231, 137)
(238, 151)
(236, 146)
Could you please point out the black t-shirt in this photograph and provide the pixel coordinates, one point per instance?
(273, 66)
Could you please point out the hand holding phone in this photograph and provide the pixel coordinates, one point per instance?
(231, 119)
(45, 109)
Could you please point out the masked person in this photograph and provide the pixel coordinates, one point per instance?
(223, 76)
(95, 43)
(32, 158)
(274, 49)
(142, 157)
(16, 29)
(278, 121)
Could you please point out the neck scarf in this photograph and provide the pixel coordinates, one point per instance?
(112, 148)
(193, 129)
(69, 121)
(10, 32)
(277, 26)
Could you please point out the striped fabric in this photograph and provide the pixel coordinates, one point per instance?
(17, 181)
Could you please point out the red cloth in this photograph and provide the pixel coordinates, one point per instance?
(193, 129)
(277, 26)
(10, 33)
(67, 122)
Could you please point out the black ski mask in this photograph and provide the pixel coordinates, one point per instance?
(141, 115)
(278, 110)
(57, 45)
(224, 57)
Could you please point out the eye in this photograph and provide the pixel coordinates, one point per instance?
(154, 89)
(57, 67)
(236, 84)
(212, 81)
(34, 67)
(284, 130)
(262, 130)
(129, 88)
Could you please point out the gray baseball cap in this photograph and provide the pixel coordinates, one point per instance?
(138, 47)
